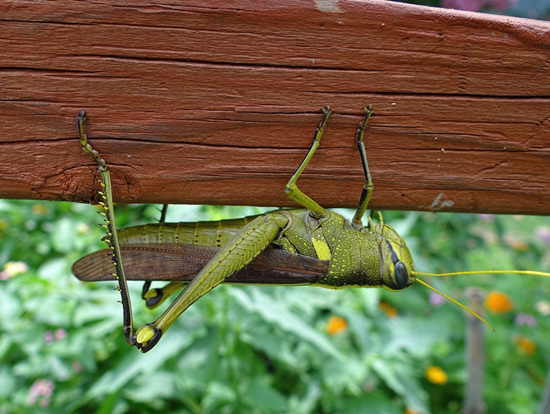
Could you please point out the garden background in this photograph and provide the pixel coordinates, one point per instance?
(274, 349)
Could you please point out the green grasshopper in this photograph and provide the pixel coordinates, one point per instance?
(310, 245)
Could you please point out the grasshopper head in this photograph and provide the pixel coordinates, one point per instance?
(397, 267)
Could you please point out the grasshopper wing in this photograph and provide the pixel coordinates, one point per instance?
(182, 262)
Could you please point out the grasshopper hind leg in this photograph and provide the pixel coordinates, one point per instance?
(244, 247)
(109, 216)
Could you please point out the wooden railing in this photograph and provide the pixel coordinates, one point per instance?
(217, 104)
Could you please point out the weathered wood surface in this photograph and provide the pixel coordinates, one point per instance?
(216, 102)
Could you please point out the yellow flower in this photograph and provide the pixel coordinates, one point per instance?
(388, 309)
(543, 307)
(436, 375)
(39, 209)
(498, 302)
(82, 228)
(13, 269)
(525, 345)
(336, 324)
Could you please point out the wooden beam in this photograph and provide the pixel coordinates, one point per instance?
(216, 103)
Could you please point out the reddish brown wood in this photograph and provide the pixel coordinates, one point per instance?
(197, 102)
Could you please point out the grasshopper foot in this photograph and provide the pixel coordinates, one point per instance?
(81, 117)
(363, 124)
(147, 337)
(153, 298)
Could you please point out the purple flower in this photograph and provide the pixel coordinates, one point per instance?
(500, 4)
(543, 233)
(525, 319)
(59, 334)
(477, 5)
(48, 337)
(486, 217)
(468, 5)
(41, 388)
(76, 366)
(436, 299)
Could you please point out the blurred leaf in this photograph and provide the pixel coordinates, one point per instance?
(63, 235)
(398, 377)
(7, 382)
(261, 339)
(265, 398)
(217, 396)
(285, 320)
(374, 402)
(151, 387)
(10, 306)
(307, 403)
(134, 364)
(52, 269)
(404, 335)
(108, 404)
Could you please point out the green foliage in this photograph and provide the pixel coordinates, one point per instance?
(267, 349)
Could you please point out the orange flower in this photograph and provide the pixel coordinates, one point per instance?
(516, 244)
(336, 324)
(525, 345)
(436, 375)
(498, 302)
(412, 411)
(388, 309)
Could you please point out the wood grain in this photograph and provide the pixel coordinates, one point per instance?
(216, 103)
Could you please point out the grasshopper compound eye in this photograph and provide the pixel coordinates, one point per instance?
(402, 276)
(397, 272)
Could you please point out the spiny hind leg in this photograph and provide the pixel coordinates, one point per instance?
(291, 189)
(110, 225)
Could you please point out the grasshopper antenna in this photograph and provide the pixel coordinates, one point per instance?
(467, 309)
(484, 272)
(473, 272)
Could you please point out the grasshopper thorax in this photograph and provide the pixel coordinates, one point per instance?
(396, 267)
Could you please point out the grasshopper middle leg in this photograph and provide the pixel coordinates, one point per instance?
(155, 297)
